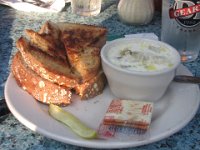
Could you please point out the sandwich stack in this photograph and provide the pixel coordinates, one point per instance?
(59, 60)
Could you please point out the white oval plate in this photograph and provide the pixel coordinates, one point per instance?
(177, 107)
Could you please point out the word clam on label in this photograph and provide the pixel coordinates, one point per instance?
(181, 27)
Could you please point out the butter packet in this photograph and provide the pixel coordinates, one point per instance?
(129, 113)
(122, 133)
(127, 118)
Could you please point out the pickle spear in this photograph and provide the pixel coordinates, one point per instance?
(71, 121)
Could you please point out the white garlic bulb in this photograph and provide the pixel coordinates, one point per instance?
(136, 11)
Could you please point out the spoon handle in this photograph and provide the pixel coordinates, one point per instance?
(187, 79)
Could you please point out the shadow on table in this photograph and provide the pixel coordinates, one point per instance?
(108, 4)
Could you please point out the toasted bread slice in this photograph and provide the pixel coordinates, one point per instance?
(92, 87)
(48, 40)
(41, 89)
(82, 44)
(46, 66)
(85, 61)
(82, 35)
(93, 35)
(50, 28)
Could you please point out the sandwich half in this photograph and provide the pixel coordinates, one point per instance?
(41, 89)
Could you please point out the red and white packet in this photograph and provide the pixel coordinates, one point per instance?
(127, 119)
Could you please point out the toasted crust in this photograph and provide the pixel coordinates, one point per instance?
(91, 88)
(85, 61)
(41, 89)
(50, 28)
(48, 40)
(81, 33)
(82, 44)
(50, 68)
(74, 35)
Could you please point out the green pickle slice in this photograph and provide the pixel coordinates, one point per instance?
(72, 122)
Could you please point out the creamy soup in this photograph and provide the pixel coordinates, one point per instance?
(141, 56)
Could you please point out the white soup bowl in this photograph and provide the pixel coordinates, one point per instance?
(134, 84)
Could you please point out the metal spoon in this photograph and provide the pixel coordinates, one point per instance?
(187, 79)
